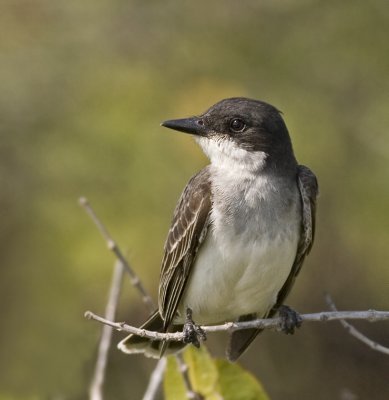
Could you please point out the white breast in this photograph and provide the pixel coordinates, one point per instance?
(248, 252)
(238, 277)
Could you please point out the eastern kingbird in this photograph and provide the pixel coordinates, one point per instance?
(241, 229)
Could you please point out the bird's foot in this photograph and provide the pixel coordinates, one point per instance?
(192, 332)
(290, 320)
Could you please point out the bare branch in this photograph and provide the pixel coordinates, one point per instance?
(155, 380)
(122, 326)
(112, 245)
(355, 332)
(156, 377)
(271, 323)
(96, 388)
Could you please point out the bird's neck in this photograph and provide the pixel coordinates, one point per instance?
(228, 158)
(231, 162)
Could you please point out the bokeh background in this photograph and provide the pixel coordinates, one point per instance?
(83, 88)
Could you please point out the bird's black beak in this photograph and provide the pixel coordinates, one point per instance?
(193, 125)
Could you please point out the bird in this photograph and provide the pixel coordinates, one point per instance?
(240, 231)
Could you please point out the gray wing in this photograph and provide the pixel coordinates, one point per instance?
(187, 232)
(308, 187)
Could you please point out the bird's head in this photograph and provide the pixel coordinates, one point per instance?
(246, 131)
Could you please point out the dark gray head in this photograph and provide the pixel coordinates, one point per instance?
(251, 125)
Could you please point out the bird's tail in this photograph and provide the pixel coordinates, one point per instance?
(240, 340)
(133, 344)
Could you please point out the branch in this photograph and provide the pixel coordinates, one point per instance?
(357, 334)
(157, 376)
(96, 388)
(271, 323)
(155, 380)
(112, 245)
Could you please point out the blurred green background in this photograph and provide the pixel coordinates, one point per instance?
(83, 88)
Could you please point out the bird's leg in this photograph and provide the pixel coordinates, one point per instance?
(290, 319)
(192, 332)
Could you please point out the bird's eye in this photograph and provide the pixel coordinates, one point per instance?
(237, 125)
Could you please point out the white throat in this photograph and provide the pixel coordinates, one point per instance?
(226, 155)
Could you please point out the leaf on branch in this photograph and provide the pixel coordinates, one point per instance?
(238, 384)
(173, 383)
(203, 372)
(212, 379)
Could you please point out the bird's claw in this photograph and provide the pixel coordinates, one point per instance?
(192, 332)
(290, 319)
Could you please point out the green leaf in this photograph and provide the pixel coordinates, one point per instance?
(173, 384)
(203, 372)
(238, 384)
(212, 379)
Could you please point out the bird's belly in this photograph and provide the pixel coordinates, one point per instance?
(240, 276)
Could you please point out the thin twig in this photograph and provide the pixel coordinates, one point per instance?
(112, 245)
(155, 380)
(123, 327)
(355, 332)
(96, 388)
(271, 323)
(156, 377)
